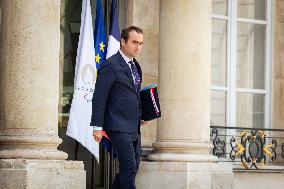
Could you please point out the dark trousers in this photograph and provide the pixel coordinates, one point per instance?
(128, 149)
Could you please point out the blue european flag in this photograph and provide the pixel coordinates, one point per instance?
(100, 35)
(101, 50)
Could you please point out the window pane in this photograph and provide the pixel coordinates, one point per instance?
(218, 52)
(220, 7)
(253, 9)
(218, 108)
(250, 110)
(251, 56)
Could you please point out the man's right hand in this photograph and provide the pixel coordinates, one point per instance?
(98, 135)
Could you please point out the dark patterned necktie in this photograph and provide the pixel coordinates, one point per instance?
(135, 74)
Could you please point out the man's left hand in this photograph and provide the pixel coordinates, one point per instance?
(144, 123)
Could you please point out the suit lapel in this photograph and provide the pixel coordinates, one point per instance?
(126, 69)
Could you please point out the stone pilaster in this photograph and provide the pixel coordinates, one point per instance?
(145, 14)
(278, 67)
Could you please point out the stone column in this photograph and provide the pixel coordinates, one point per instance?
(29, 82)
(182, 151)
(184, 82)
(29, 79)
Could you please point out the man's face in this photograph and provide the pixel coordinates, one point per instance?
(132, 47)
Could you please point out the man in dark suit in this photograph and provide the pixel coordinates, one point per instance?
(116, 106)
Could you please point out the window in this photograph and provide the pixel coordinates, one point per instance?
(241, 63)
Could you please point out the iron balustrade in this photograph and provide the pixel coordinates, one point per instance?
(252, 148)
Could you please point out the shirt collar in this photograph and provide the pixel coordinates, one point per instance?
(126, 59)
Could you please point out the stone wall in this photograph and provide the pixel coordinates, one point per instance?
(278, 66)
(145, 14)
(44, 174)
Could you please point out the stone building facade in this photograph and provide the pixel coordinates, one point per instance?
(240, 82)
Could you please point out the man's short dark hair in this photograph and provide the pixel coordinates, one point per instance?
(125, 32)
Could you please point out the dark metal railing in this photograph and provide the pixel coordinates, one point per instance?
(110, 169)
(252, 148)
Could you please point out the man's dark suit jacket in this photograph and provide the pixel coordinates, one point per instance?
(116, 104)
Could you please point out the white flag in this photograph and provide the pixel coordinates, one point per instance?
(84, 84)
